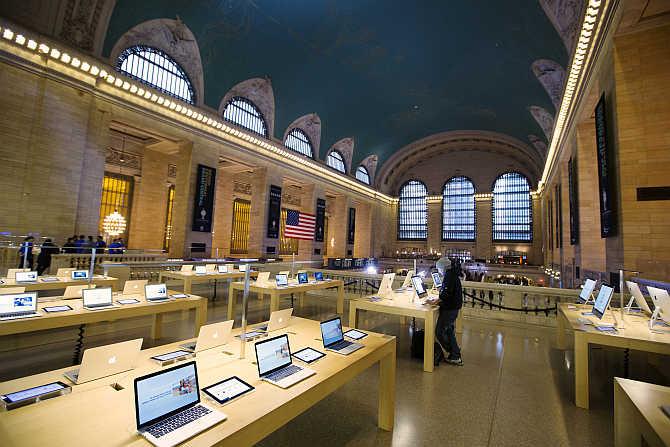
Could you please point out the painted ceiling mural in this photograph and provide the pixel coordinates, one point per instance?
(383, 72)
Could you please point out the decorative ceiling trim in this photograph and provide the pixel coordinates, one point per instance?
(311, 125)
(544, 119)
(538, 144)
(345, 146)
(552, 77)
(565, 15)
(259, 91)
(370, 163)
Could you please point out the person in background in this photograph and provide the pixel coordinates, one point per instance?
(69, 245)
(122, 246)
(26, 247)
(450, 302)
(113, 247)
(80, 244)
(100, 245)
(44, 258)
(90, 243)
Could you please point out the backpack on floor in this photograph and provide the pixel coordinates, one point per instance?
(418, 338)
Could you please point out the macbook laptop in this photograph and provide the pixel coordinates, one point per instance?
(168, 410)
(302, 278)
(262, 278)
(78, 275)
(275, 365)
(26, 277)
(222, 268)
(135, 287)
(211, 336)
(200, 269)
(75, 291)
(243, 267)
(437, 279)
(333, 338)
(156, 292)
(65, 272)
(210, 267)
(279, 319)
(95, 299)
(14, 306)
(11, 273)
(318, 276)
(186, 267)
(282, 280)
(106, 361)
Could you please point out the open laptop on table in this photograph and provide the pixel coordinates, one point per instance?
(222, 268)
(106, 361)
(275, 364)
(302, 278)
(201, 270)
(279, 319)
(99, 298)
(134, 287)
(156, 293)
(282, 280)
(79, 275)
(333, 337)
(26, 277)
(168, 410)
(210, 336)
(14, 306)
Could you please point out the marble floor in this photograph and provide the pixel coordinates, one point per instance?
(515, 389)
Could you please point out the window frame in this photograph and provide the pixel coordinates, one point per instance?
(232, 102)
(425, 198)
(530, 213)
(367, 173)
(474, 211)
(307, 138)
(341, 159)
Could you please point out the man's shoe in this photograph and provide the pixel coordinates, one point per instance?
(454, 361)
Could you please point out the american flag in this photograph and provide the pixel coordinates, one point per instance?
(299, 225)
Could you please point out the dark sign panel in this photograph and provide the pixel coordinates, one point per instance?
(351, 232)
(605, 173)
(320, 220)
(574, 201)
(203, 208)
(274, 212)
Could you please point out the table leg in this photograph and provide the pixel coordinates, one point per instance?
(429, 344)
(157, 327)
(187, 285)
(581, 371)
(274, 301)
(386, 410)
(200, 317)
(352, 314)
(625, 431)
(301, 299)
(231, 301)
(340, 299)
(560, 331)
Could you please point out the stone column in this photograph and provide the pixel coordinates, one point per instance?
(308, 205)
(223, 213)
(261, 179)
(434, 225)
(182, 207)
(337, 227)
(363, 236)
(484, 242)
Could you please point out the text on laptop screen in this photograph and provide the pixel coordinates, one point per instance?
(331, 331)
(80, 274)
(93, 297)
(161, 394)
(200, 269)
(26, 276)
(272, 354)
(302, 277)
(18, 302)
(587, 290)
(155, 291)
(437, 279)
(318, 276)
(282, 280)
(603, 300)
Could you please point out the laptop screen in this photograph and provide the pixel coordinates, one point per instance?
(437, 279)
(96, 297)
(302, 278)
(80, 274)
(318, 276)
(18, 302)
(602, 301)
(282, 280)
(165, 393)
(331, 331)
(587, 290)
(243, 267)
(418, 286)
(26, 276)
(200, 269)
(222, 268)
(272, 354)
(155, 291)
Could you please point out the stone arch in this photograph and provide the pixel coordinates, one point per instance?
(538, 144)
(259, 91)
(311, 125)
(345, 146)
(174, 38)
(370, 163)
(544, 119)
(565, 15)
(552, 77)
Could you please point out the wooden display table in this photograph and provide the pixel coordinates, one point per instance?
(293, 288)
(95, 413)
(61, 284)
(638, 416)
(636, 335)
(190, 278)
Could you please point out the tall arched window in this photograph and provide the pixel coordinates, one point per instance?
(458, 210)
(298, 141)
(155, 68)
(336, 161)
(245, 114)
(363, 175)
(413, 212)
(512, 209)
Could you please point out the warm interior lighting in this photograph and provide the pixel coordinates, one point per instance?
(114, 224)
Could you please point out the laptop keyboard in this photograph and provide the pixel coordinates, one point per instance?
(340, 345)
(177, 421)
(284, 373)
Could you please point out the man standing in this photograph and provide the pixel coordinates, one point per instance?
(450, 302)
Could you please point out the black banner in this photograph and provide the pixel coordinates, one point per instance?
(320, 220)
(203, 209)
(605, 172)
(573, 198)
(559, 216)
(274, 212)
(351, 232)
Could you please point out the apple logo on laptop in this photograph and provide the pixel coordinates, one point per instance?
(216, 335)
(112, 360)
(281, 320)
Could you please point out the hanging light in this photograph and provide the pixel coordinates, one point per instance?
(114, 224)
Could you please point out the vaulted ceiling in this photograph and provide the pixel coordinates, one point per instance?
(385, 72)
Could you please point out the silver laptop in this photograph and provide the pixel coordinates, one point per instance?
(333, 338)
(156, 292)
(279, 319)
(25, 277)
(168, 410)
(282, 280)
(99, 298)
(106, 361)
(275, 365)
(134, 287)
(200, 270)
(14, 306)
(211, 336)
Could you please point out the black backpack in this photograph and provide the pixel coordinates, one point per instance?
(418, 338)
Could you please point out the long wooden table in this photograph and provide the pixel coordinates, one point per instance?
(95, 413)
(190, 278)
(635, 335)
(270, 288)
(61, 284)
(638, 416)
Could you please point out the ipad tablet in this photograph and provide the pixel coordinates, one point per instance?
(51, 309)
(49, 279)
(43, 391)
(606, 329)
(251, 335)
(179, 295)
(355, 334)
(171, 356)
(228, 389)
(308, 355)
(128, 301)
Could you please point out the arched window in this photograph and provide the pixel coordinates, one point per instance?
(155, 68)
(363, 175)
(298, 141)
(458, 210)
(245, 114)
(512, 211)
(413, 212)
(336, 161)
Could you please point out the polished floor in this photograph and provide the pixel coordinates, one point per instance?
(515, 389)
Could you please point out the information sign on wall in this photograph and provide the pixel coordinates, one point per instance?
(274, 212)
(320, 220)
(605, 173)
(351, 231)
(574, 201)
(203, 208)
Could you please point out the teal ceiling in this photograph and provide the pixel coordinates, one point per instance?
(386, 72)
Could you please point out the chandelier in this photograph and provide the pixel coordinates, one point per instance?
(114, 224)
